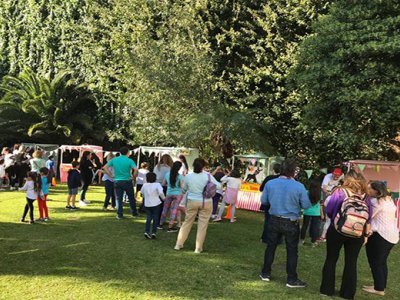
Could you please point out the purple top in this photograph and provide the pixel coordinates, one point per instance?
(335, 204)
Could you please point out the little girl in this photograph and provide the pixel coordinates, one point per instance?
(233, 182)
(42, 196)
(32, 187)
(152, 192)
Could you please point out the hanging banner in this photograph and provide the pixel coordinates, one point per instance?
(361, 167)
(309, 173)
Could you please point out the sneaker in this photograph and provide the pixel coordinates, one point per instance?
(135, 214)
(46, 219)
(265, 277)
(373, 291)
(68, 207)
(178, 247)
(198, 251)
(86, 201)
(104, 209)
(74, 208)
(296, 284)
(233, 221)
(153, 236)
(82, 203)
(120, 217)
(12, 188)
(22, 220)
(160, 227)
(31, 222)
(173, 229)
(147, 236)
(217, 219)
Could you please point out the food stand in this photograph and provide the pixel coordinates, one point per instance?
(70, 153)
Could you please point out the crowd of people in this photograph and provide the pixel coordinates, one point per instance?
(354, 212)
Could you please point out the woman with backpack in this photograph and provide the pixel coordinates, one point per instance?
(345, 201)
(199, 186)
(384, 235)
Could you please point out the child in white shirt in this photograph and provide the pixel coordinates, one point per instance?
(152, 191)
(32, 187)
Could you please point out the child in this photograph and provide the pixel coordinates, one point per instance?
(233, 182)
(50, 165)
(313, 214)
(3, 174)
(173, 181)
(140, 180)
(74, 182)
(152, 192)
(32, 188)
(42, 197)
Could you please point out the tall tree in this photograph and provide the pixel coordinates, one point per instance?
(348, 76)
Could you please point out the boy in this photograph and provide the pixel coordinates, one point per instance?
(74, 182)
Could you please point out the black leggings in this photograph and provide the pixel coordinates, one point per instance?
(28, 206)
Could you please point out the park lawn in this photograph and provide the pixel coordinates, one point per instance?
(89, 254)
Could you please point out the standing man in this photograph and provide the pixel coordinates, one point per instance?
(286, 198)
(331, 181)
(125, 171)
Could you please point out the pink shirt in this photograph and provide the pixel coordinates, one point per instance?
(384, 220)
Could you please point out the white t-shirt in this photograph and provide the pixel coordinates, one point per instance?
(8, 160)
(160, 172)
(141, 178)
(151, 193)
(384, 221)
(329, 182)
(231, 182)
(29, 187)
(2, 171)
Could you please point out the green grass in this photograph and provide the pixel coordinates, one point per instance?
(89, 254)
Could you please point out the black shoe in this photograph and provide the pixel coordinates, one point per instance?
(135, 214)
(296, 284)
(74, 208)
(153, 236)
(265, 277)
(147, 236)
(68, 207)
(173, 229)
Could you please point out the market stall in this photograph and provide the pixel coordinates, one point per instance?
(255, 168)
(70, 153)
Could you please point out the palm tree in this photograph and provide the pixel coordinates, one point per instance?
(56, 110)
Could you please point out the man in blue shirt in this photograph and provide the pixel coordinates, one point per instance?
(123, 167)
(286, 197)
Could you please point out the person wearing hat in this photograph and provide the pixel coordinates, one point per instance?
(331, 181)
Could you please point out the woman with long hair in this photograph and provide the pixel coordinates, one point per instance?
(86, 167)
(174, 182)
(354, 186)
(312, 215)
(185, 167)
(163, 166)
(197, 204)
(384, 235)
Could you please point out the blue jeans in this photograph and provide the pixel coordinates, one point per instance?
(127, 187)
(315, 227)
(277, 228)
(110, 193)
(152, 215)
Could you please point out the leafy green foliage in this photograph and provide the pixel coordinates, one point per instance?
(348, 75)
(57, 110)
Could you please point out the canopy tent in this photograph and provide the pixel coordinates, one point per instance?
(69, 153)
(48, 149)
(190, 153)
(387, 171)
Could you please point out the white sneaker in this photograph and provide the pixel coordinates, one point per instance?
(198, 251)
(217, 219)
(12, 188)
(82, 203)
(178, 247)
(86, 201)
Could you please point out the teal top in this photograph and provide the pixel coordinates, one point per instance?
(122, 167)
(313, 210)
(45, 185)
(173, 191)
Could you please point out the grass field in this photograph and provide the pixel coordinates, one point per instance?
(89, 254)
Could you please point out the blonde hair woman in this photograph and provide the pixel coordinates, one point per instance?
(37, 162)
(354, 184)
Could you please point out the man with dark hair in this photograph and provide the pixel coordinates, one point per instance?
(286, 198)
(123, 167)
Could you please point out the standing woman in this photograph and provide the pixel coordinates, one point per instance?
(37, 162)
(185, 167)
(21, 166)
(163, 167)
(86, 167)
(354, 184)
(194, 184)
(384, 235)
(109, 186)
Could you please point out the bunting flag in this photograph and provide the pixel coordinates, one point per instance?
(361, 167)
(253, 161)
(324, 170)
(309, 173)
(377, 168)
(242, 160)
